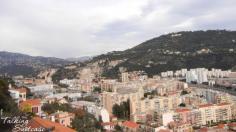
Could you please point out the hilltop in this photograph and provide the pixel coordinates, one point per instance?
(187, 49)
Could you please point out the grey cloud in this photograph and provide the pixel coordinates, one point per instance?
(75, 28)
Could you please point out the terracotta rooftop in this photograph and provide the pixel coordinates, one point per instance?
(38, 122)
(31, 102)
(221, 126)
(182, 110)
(130, 124)
(21, 90)
(108, 124)
(205, 105)
(232, 124)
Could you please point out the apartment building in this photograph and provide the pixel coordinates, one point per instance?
(125, 77)
(214, 113)
(121, 95)
(144, 106)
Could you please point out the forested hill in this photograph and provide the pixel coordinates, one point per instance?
(21, 64)
(188, 49)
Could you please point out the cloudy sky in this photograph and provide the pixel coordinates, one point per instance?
(73, 28)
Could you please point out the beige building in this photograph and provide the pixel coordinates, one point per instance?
(120, 95)
(144, 106)
(22, 93)
(214, 113)
(125, 77)
(64, 118)
(108, 84)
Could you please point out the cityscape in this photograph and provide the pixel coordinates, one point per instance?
(178, 79)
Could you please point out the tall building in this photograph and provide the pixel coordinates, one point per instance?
(125, 77)
(198, 75)
(142, 107)
(121, 95)
(214, 113)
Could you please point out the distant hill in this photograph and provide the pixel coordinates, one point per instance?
(188, 49)
(21, 64)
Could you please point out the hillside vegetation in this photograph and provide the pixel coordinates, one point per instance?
(192, 49)
(21, 64)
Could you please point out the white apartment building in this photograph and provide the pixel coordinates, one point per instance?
(198, 75)
(69, 82)
(45, 89)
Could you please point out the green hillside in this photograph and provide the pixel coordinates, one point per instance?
(210, 49)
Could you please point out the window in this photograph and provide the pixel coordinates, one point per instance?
(35, 109)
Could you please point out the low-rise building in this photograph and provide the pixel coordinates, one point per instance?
(64, 118)
(45, 89)
(31, 105)
(39, 124)
(18, 94)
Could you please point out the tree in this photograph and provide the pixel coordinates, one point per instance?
(54, 107)
(26, 108)
(97, 89)
(118, 128)
(7, 104)
(122, 110)
(184, 92)
(126, 108)
(86, 123)
(182, 105)
(117, 111)
(79, 113)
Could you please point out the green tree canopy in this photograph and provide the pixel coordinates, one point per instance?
(85, 123)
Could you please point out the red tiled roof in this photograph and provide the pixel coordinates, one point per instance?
(130, 124)
(182, 110)
(108, 124)
(205, 105)
(220, 125)
(232, 124)
(38, 122)
(205, 129)
(32, 102)
(21, 90)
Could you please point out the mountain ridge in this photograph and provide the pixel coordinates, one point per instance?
(22, 64)
(173, 51)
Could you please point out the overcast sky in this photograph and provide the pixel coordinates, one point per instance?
(73, 28)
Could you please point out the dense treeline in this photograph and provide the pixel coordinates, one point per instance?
(122, 111)
(7, 105)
